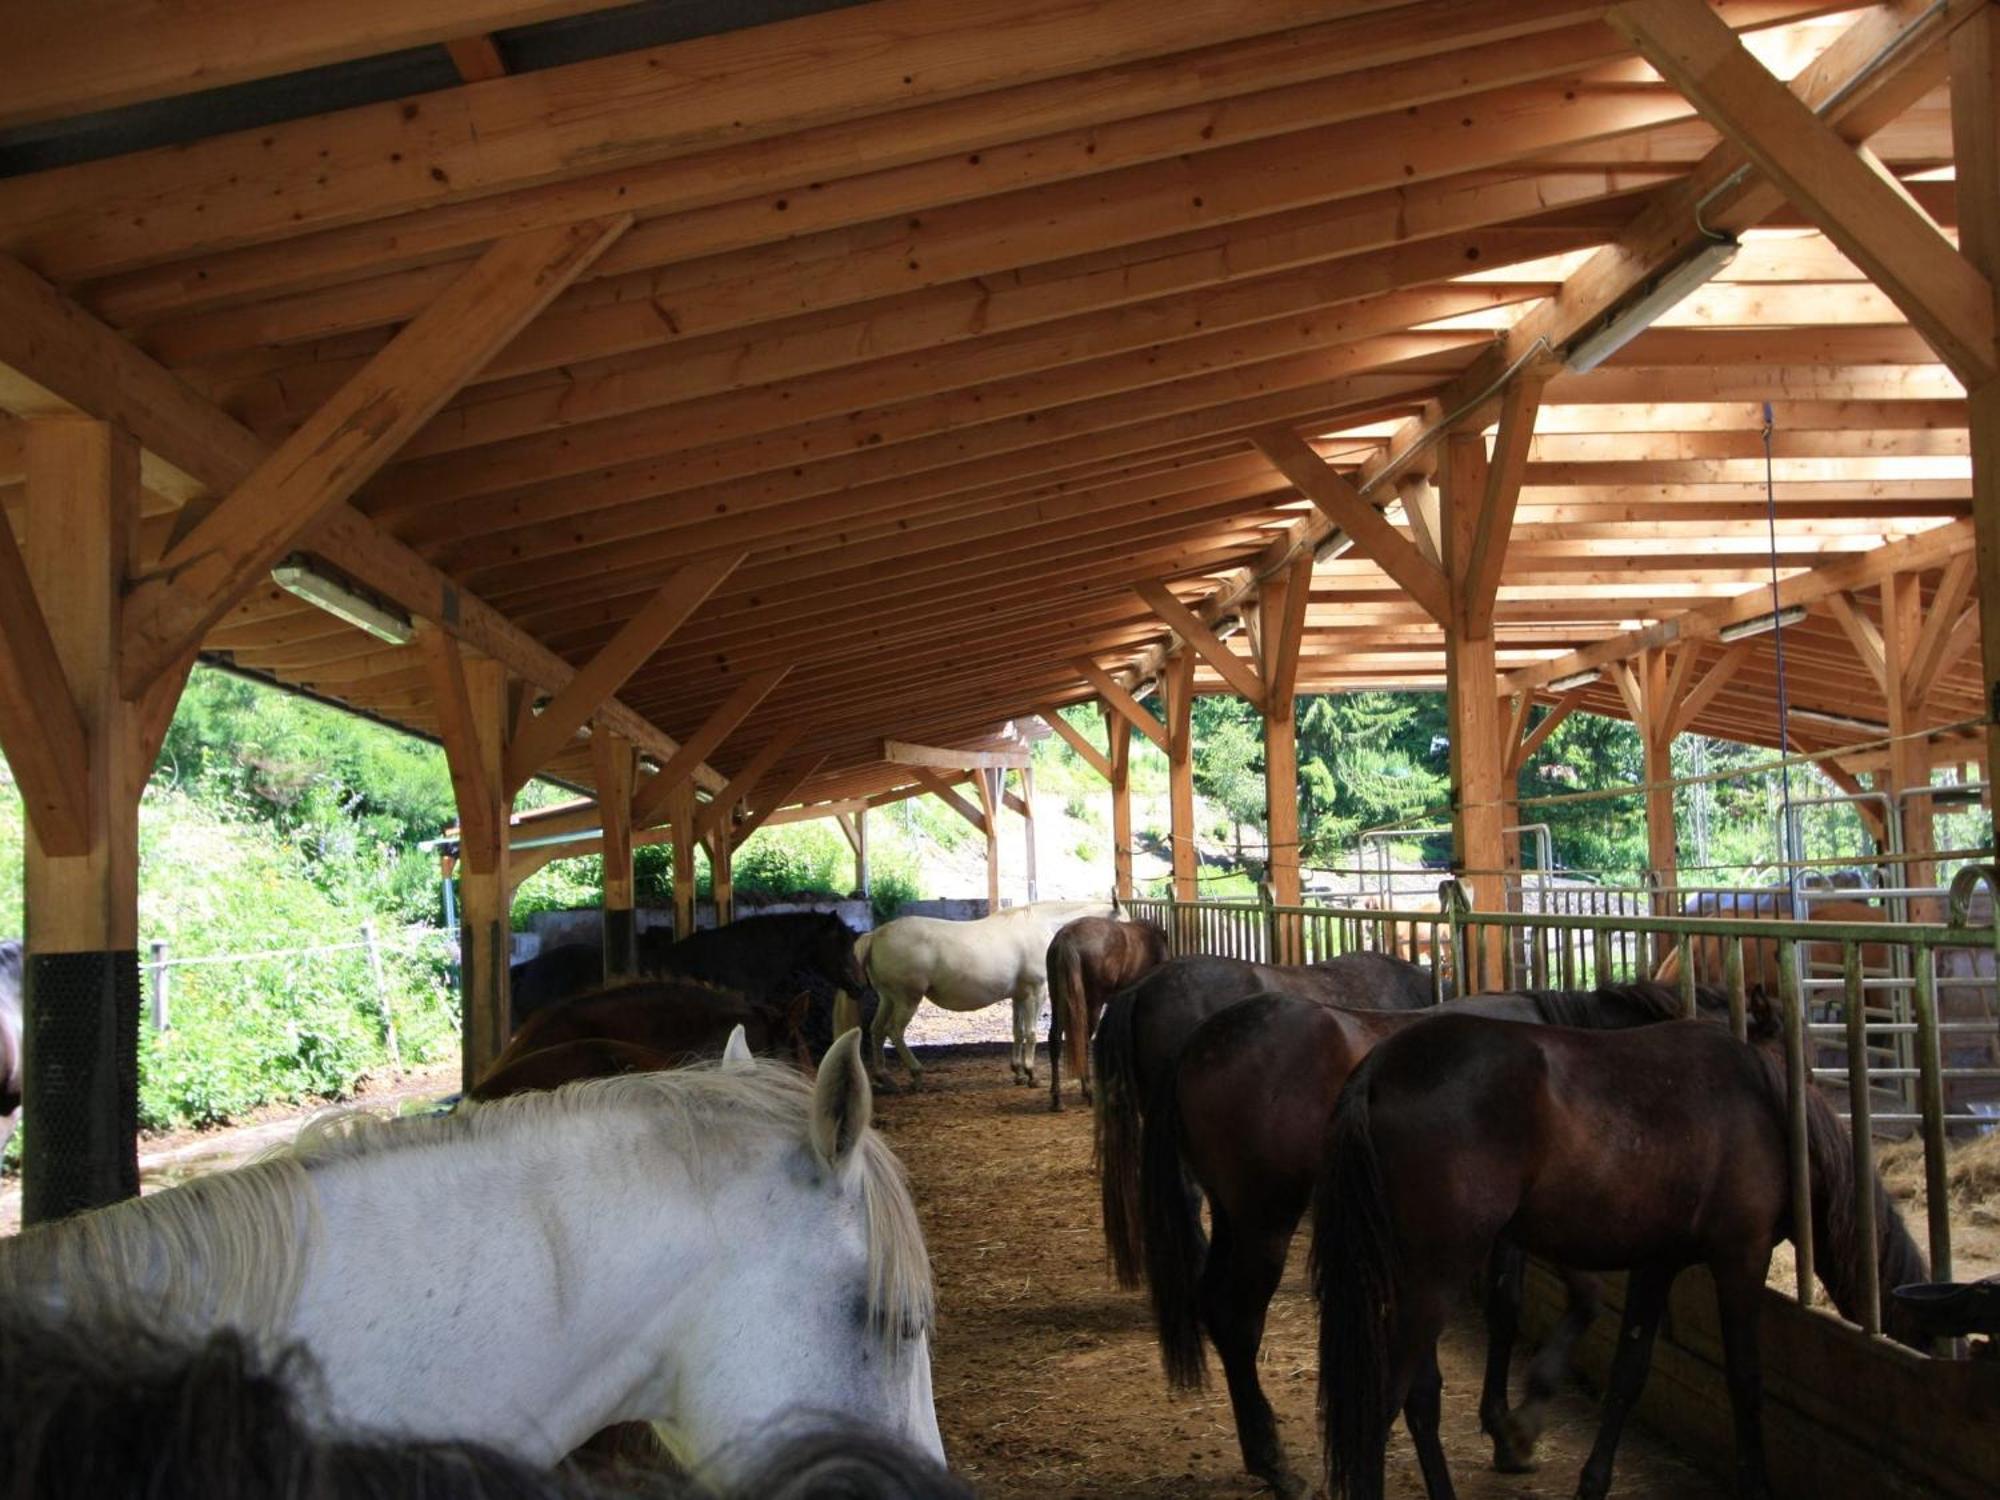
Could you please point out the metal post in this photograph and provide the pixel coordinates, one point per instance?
(157, 981)
(1930, 1064)
(1861, 1127)
(1791, 1009)
(382, 1005)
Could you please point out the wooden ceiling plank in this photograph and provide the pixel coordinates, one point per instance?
(599, 679)
(1941, 292)
(1346, 507)
(738, 86)
(346, 442)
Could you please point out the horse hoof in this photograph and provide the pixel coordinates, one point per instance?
(1286, 1485)
(1514, 1448)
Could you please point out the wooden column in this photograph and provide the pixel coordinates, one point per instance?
(1281, 608)
(987, 783)
(680, 815)
(1658, 732)
(1472, 703)
(862, 881)
(80, 994)
(1118, 736)
(1177, 687)
(1975, 129)
(1909, 764)
(614, 761)
(1028, 838)
(473, 721)
(722, 874)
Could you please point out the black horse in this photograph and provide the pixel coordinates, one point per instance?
(768, 959)
(1647, 1150)
(1145, 1024)
(1244, 1110)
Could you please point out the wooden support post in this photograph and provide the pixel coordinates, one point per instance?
(614, 762)
(680, 817)
(1118, 734)
(1281, 607)
(80, 992)
(473, 720)
(1656, 676)
(721, 846)
(1909, 764)
(991, 786)
(1975, 133)
(1177, 685)
(1472, 699)
(1028, 819)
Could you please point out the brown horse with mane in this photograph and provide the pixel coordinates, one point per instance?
(1244, 1110)
(677, 1019)
(1089, 961)
(1145, 1024)
(1648, 1150)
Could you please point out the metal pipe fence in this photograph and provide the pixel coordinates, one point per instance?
(1899, 1021)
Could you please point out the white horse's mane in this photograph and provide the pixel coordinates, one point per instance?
(232, 1247)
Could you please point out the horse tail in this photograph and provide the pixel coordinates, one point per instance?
(1115, 1128)
(1353, 1280)
(1066, 995)
(1174, 1249)
(1837, 1247)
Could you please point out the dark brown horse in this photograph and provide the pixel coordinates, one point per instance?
(1145, 1024)
(1647, 1150)
(1244, 1110)
(567, 1062)
(679, 1019)
(1091, 960)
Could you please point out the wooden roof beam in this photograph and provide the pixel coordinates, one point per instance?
(651, 800)
(1873, 223)
(1930, 549)
(718, 811)
(1093, 757)
(345, 442)
(40, 728)
(1193, 630)
(1346, 507)
(1115, 695)
(548, 732)
(945, 790)
(780, 792)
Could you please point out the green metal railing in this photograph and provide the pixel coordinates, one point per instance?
(1757, 962)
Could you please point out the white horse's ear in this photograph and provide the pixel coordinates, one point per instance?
(736, 1051)
(842, 1102)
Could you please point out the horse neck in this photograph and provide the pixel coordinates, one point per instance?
(574, 1240)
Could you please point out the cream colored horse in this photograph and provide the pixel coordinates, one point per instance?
(706, 1249)
(964, 966)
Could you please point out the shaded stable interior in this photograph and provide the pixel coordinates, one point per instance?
(746, 422)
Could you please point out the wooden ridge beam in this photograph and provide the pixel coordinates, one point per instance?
(1238, 673)
(1874, 224)
(1346, 507)
(945, 758)
(40, 728)
(599, 679)
(344, 443)
(1928, 550)
(697, 747)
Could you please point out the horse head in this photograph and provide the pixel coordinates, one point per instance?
(856, 1347)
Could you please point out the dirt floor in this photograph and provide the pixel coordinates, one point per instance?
(1047, 1379)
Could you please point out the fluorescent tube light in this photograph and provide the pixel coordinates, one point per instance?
(1636, 317)
(1576, 680)
(297, 577)
(1742, 630)
(1840, 721)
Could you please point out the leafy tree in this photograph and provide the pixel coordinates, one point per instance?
(1365, 760)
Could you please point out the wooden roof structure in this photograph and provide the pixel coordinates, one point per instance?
(897, 370)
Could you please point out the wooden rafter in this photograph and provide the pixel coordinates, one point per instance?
(1943, 294)
(1352, 512)
(40, 728)
(697, 747)
(599, 679)
(1128, 708)
(346, 441)
(1480, 583)
(1093, 757)
(944, 788)
(1239, 674)
(783, 790)
(717, 813)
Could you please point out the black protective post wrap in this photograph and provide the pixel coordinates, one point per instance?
(621, 942)
(80, 1103)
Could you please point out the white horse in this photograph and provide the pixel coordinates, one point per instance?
(705, 1249)
(964, 966)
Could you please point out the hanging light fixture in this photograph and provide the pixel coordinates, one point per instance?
(298, 577)
(1576, 680)
(1665, 293)
(1742, 630)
